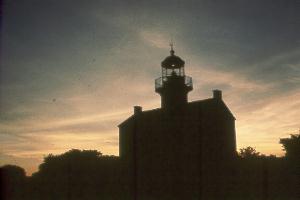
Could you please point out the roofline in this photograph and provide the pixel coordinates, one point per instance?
(189, 103)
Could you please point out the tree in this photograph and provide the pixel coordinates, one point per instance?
(76, 174)
(248, 152)
(13, 181)
(291, 146)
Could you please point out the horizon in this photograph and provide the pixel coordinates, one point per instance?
(71, 72)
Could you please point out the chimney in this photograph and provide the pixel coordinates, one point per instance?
(217, 94)
(137, 110)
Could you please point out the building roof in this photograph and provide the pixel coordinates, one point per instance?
(205, 105)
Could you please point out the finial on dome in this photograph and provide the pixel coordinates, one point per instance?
(172, 50)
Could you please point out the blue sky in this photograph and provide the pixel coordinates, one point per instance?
(71, 71)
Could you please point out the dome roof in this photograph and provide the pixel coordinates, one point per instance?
(172, 61)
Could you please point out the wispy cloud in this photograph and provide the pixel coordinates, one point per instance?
(263, 126)
(155, 38)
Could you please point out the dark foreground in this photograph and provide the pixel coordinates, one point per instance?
(89, 175)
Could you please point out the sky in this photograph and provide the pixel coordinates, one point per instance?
(71, 71)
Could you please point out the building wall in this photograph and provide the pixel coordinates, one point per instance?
(177, 154)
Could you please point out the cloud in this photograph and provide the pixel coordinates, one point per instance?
(155, 39)
(263, 126)
(78, 118)
(235, 81)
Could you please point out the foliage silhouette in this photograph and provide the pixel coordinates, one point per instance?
(76, 174)
(291, 146)
(13, 181)
(248, 152)
(87, 174)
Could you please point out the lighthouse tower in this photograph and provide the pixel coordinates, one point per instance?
(173, 86)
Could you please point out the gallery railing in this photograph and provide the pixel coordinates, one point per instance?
(159, 82)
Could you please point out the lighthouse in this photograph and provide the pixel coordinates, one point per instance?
(180, 150)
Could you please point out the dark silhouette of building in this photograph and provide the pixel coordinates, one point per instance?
(181, 150)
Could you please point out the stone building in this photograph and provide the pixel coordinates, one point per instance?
(181, 150)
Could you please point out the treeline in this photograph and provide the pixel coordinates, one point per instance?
(88, 175)
(266, 177)
(75, 174)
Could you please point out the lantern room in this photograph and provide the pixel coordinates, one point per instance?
(173, 85)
